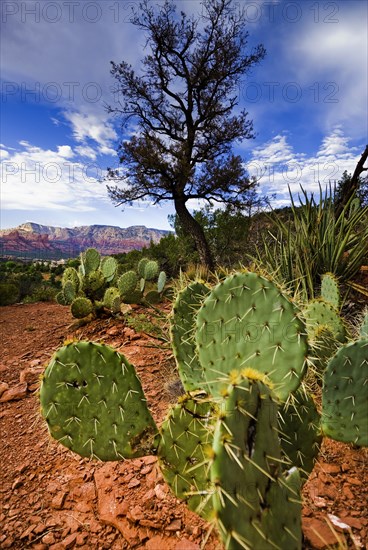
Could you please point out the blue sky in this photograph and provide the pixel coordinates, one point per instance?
(308, 101)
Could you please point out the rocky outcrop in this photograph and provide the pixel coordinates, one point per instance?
(43, 241)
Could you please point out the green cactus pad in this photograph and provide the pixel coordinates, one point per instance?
(112, 299)
(330, 290)
(323, 347)
(318, 312)
(60, 298)
(300, 432)
(345, 394)
(69, 292)
(91, 260)
(182, 325)
(93, 403)
(127, 282)
(186, 437)
(142, 266)
(93, 284)
(247, 322)
(71, 275)
(151, 270)
(246, 473)
(109, 268)
(81, 307)
(161, 281)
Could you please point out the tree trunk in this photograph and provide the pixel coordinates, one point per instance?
(194, 230)
(352, 185)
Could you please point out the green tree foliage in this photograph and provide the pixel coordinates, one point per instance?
(182, 105)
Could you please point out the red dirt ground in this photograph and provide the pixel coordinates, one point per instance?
(52, 499)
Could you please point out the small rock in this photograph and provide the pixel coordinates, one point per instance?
(81, 537)
(13, 394)
(133, 483)
(318, 533)
(354, 481)
(135, 514)
(3, 387)
(160, 492)
(49, 539)
(17, 483)
(58, 500)
(146, 470)
(156, 543)
(347, 492)
(149, 460)
(7, 543)
(30, 376)
(174, 525)
(69, 541)
(330, 468)
(354, 522)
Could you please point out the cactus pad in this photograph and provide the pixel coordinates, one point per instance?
(93, 403)
(152, 297)
(318, 312)
(330, 290)
(142, 266)
(255, 506)
(69, 292)
(161, 282)
(70, 275)
(134, 297)
(247, 322)
(81, 307)
(345, 394)
(186, 437)
(150, 270)
(127, 282)
(300, 432)
(90, 260)
(109, 268)
(182, 325)
(112, 299)
(60, 298)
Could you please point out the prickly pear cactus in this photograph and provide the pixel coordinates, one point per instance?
(323, 347)
(182, 327)
(71, 275)
(186, 437)
(300, 432)
(152, 297)
(93, 403)
(161, 282)
(247, 322)
(81, 307)
(69, 291)
(150, 270)
(109, 268)
(127, 283)
(142, 266)
(60, 298)
(330, 290)
(256, 506)
(318, 312)
(90, 260)
(112, 299)
(345, 394)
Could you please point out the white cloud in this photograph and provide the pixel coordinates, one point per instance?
(85, 151)
(91, 126)
(44, 179)
(277, 165)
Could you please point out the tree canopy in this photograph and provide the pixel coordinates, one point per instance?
(183, 109)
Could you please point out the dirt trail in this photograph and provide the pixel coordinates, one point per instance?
(52, 499)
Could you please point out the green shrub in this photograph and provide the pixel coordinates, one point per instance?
(9, 294)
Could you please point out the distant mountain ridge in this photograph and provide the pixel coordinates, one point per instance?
(32, 240)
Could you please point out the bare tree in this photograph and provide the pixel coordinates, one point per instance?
(183, 105)
(349, 185)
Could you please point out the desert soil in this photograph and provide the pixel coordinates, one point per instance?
(53, 499)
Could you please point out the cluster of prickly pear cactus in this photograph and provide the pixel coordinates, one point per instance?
(132, 284)
(85, 288)
(238, 444)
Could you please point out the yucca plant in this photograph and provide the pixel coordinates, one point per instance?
(314, 242)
